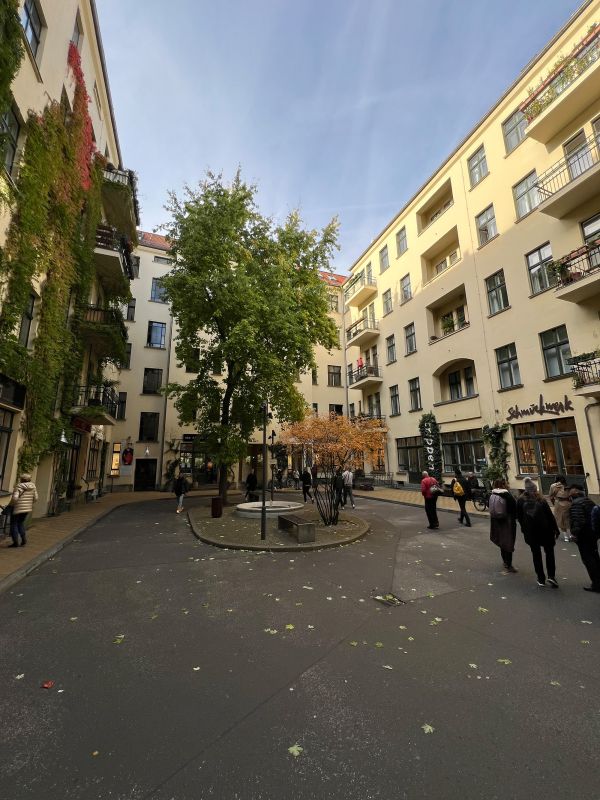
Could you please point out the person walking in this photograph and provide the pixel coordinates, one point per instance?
(296, 477)
(539, 531)
(348, 477)
(583, 514)
(23, 497)
(314, 471)
(503, 522)
(338, 488)
(461, 491)
(180, 490)
(560, 500)
(430, 489)
(306, 479)
(251, 484)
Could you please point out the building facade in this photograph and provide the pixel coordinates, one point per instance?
(480, 300)
(62, 80)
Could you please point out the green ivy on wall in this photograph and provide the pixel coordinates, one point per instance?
(497, 468)
(11, 53)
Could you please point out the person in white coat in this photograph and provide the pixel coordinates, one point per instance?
(23, 497)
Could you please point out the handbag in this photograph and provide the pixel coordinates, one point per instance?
(436, 489)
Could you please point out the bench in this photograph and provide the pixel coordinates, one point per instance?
(302, 529)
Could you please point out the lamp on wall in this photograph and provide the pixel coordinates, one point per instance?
(147, 452)
(63, 438)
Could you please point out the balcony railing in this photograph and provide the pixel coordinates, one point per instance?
(361, 325)
(586, 373)
(368, 416)
(357, 284)
(364, 372)
(569, 168)
(577, 265)
(584, 55)
(104, 316)
(127, 178)
(109, 238)
(94, 396)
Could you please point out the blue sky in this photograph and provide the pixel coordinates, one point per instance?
(335, 107)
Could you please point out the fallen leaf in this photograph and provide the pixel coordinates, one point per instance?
(411, 638)
(504, 661)
(73, 619)
(195, 669)
(295, 750)
(310, 627)
(47, 684)
(378, 644)
(119, 638)
(482, 610)
(20, 676)
(387, 666)
(97, 752)
(353, 644)
(586, 621)
(289, 627)
(554, 683)
(402, 627)
(427, 728)
(473, 666)
(583, 641)
(310, 588)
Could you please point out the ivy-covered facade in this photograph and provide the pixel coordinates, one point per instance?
(67, 232)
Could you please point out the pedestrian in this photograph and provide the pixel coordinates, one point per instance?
(430, 489)
(348, 477)
(560, 500)
(180, 490)
(279, 478)
(306, 479)
(338, 488)
(296, 477)
(251, 484)
(461, 491)
(473, 482)
(314, 471)
(503, 522)
(539, 530)
(583, 514)
(23, 497)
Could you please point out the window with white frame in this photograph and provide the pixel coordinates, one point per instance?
(477, 167)
(556, 351)
(497, 293)
(158, 293)
(486, 225)
(157, 332)
(538, 262)
(387, 301)
(405, 289)
(401, 242)
(508, 366)
(384, 259)
(514, 130)
(526, 194)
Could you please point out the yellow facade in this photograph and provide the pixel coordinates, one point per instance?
(475, 243)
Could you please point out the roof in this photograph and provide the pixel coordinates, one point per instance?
(154, 240)
(332, 279)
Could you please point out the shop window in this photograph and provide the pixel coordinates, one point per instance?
(463, 450)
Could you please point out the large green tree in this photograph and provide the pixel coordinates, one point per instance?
(249, 306)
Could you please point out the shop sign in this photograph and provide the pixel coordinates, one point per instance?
(541, 408)
(189, 437)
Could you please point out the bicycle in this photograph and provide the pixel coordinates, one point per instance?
(481, 498)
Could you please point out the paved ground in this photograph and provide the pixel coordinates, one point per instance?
(178, 675)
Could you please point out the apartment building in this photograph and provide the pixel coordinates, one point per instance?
(62, 64)
(480, 300)
(148, 436)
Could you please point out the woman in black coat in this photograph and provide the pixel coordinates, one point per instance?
(539, 530)
(503, 522)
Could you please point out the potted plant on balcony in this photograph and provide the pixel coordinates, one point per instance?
(447, 325)
(559, 272)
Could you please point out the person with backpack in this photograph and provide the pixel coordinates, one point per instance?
(430, 489)
(461, 491)
(560, 500)
(539, 531)
(180, 489)
(585, 527)
(503, 522)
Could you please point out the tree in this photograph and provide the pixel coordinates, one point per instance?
(335, 442)
(250, 307)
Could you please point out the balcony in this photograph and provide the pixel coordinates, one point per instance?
(362, 332)
(119, 200)
(572, 181)
(365, 377)
(368, 417)
(360, 290)
(566, 92)
(114, 262)
(586, 378)
(96, 404)
(102, 328)
(578, 274)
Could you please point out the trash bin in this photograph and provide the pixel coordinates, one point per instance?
(216, 507)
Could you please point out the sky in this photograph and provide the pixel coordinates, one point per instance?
(334, 107)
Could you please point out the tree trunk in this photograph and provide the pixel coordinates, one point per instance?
(223, 481)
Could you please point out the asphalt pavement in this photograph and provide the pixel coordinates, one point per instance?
(182, 672)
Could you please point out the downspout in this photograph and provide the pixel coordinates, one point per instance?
(594, 454)
(164, 425)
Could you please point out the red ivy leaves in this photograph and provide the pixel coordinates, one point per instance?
(85, 147)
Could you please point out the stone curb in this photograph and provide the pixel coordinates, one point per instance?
(292, 548)
(481, 514)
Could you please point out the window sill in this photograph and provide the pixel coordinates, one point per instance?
(399, 414)
(472, 188)
(415, 410)
(407, 300)
(485, 244)
(393, 361)
(335, 386)
(399, 255)
(446, 335)
(558, 377)
(412, 352)
(528, 214)
(160, 302)
(387, 313)
(151, 347)
(458, 400)
(510, 388)
(502, 310)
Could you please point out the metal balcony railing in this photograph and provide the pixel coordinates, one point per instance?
(364, 372)
(93, 396)
(368, 416)
(109, 238)
(578, 264)
(125, 177)
(104, 316)
(569, 168)
(361, 325)
(586, 373)
(358, 283)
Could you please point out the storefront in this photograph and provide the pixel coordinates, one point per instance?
(463, 450)
(548, 448)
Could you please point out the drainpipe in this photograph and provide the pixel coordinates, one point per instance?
(587, 421)
(164, 425)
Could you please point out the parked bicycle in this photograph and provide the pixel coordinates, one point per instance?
(481, 498)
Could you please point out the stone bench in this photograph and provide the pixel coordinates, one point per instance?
(302, 529)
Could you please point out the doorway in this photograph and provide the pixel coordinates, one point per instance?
(145, 475)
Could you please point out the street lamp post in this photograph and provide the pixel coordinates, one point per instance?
(272, 449)
(263, 511)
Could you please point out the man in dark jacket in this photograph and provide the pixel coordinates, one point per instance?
(539, 531)
(251, 483)
(580, 515)
(461, 491)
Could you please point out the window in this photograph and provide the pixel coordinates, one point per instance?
(333, 301)
(578, 155)
(463, 450)
(496, 292)
(158, 294)
(77, 32)
(336, 409)
(527, 196)
(477, 167)
(351, 411)
(334, 375)
(390, 347)
(461, 319)
(127, 362)
(315, 376)
(409, 452)
(410, 339)
(162, 260)
(384, 260)
(394, 401)
(315, 408)
(414, 391)
(32, 25)
(130, 312)
(401, 242)
(514, 130)
(193, 364)
(387, 301)
(149, 426)
(537, 266)
(547, 448)
(469, 381)
(26, 320)
(591, 233)
(486, 225)
(6, 429)
(122, 405)
(455, 385)
(156, 335)
(93, 457)
(508, 366)
(405, 290)
(152, 380)
(10, 128)
(556, 351)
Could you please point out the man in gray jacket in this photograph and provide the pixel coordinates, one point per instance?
(23, 497)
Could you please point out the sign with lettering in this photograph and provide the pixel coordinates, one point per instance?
(432, 451)
(541, 408)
